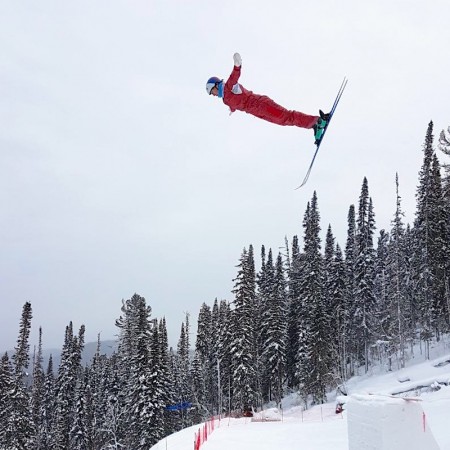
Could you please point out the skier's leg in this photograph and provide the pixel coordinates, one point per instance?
(265, 108)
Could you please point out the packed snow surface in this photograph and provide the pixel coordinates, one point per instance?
(373, 417)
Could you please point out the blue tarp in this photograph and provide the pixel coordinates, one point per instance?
(179, 406)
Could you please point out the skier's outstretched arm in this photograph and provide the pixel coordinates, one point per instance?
(236, 73)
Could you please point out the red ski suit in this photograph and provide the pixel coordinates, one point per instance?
(238, 98)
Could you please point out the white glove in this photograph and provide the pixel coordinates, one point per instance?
(237, 60)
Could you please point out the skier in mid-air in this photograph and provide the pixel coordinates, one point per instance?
(236, 97)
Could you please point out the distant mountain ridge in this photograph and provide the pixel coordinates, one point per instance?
(106, 348)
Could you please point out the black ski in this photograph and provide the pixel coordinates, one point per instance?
(333, 109)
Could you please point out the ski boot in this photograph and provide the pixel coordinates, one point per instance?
(319, 127)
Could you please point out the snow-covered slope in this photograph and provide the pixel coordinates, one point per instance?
(320, 428)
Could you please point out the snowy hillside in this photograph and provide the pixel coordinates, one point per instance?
(320, 428)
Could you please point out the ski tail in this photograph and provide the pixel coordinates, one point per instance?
(333, 109)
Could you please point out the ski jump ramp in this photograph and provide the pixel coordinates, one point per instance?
(381, 422)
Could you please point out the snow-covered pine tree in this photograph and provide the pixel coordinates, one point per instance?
(157, 377)
(21, 355)
(339, 317)
(95, 402)
(365, 308)
(205, 368)
(115, 424)
(316, 369)
(294, 314)
(412, 307)
(166, 379)
(430, 247)
(121, 420)
(97, 386)
(136, 331)
(422, 272)
(444, 146)
(80, 438)
(440, 251)
(303, 363)
(335, 305)
(38, 398)
(243, 341)
(223, 351)
(183, 388)
(49, 405)
(215, 331)
(176, 417)
(69, 373)
(265, 282)
(21, 431)
(199, 393)
(384, 346)
(329, 272)
(329, 301)
(274, 323)
(397, 266)
(6, 382)
(350, 292)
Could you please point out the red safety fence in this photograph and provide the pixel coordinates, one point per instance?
(203, 432)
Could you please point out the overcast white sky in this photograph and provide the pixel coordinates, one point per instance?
(118, 174)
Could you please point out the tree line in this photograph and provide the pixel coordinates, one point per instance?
(305, 321)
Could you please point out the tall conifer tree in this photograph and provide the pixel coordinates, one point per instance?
(294, 311)
(352, 339)
(430, 247)
(21, 428)
(365, 310)
(6, 404)
(243, 340)
(314, 360)
(38, 398)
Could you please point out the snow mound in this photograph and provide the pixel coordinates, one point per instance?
(378, 422)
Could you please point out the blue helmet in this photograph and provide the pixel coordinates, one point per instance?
(211, 83)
